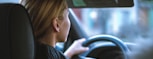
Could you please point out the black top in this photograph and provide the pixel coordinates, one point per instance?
(43, 51)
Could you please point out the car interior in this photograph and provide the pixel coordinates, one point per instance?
(17, 40)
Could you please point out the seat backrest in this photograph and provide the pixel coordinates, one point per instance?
(16, 35)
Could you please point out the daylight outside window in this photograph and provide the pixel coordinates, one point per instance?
(9, 1)
(129, 24)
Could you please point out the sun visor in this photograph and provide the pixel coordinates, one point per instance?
(99, 3)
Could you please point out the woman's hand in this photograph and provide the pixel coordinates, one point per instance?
(76, 48)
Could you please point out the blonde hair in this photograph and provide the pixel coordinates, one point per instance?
(42, 13)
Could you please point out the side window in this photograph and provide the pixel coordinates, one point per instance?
(9, 1)
(129, 24)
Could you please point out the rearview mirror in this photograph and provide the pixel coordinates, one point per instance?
(99, 3)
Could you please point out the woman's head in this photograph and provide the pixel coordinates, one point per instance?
(48, 16)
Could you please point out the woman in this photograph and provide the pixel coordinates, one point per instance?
(51, 25)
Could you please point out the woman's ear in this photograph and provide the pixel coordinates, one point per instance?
(56, 25)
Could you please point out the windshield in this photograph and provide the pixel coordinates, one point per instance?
(129, 24)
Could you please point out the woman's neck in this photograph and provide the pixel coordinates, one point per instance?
(49, 40)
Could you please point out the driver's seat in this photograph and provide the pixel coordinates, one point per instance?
(16, 35)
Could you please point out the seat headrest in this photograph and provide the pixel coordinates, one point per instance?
(16, 34)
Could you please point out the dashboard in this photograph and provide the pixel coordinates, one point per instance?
(105, 50)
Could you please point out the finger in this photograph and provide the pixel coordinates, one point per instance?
(84, 49)
(82, 39)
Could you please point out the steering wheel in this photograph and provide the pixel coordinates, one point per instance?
(109, 38)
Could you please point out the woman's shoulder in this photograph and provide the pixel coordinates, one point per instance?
(48, 52)
(41, 51)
